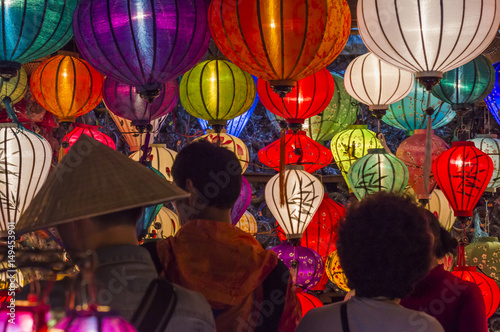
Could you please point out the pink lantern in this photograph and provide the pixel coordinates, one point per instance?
(93, 319)
(243, 201)
(26, 315)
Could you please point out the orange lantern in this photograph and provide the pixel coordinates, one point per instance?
(67, 87)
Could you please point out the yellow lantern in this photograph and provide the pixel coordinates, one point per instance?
(334, 271)
(247, 223)
(15, 88)
(135, 139)
(162, 159)
(166, 224)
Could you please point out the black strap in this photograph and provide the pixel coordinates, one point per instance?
(156, 308)
(343, 317)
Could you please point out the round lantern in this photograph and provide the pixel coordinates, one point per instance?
(124, 101)
(134, 139)
(438, 204)
(32, 29)
(93, 319)
(231, 143)
(463, 173)
(299, 150)
(412, 153)
(489, 289)
(310, 96)
(303, 194)
(377, 171)
(162, 159)
(243, 201)
(92, 131)
(443, 36)
(161, 40)
(248, 223)
(277, 42)
(67, 87)
(14, 88)
(217, 91)
(25, 163)
(306, 266)
(376, 83)
(165, 224)
(351, 144)
(27, 316)
(335, 272)
(493, 99)
(409, 114)
(485, 254)
(308, 302)
(490, 145)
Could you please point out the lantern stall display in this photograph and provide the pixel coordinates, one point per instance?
(335, 272)
(247, 223)
(93, 318)
(91, 131)
(484, 253)
(493, 99)
(490, 145)
(134, 138)
(441, 208)
(308, 302)
(243, 201)
(162, 159)
(28, 316)
(165, 224)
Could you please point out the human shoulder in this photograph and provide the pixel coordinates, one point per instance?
(326, 318)
(418, 321)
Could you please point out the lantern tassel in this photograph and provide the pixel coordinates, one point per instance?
(11, 113)
(282, 166)
(428, 148)
(146, 150)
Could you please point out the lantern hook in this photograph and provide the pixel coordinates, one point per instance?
(149, 94)
(9, 69)
(282, 87)
(429, 82)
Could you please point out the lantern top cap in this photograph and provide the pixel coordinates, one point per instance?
(488, 239)
(295, 167)
(8, 125)
(377, 151)
(358, 127)
(421, 131)
(487, 136)
(462, 143)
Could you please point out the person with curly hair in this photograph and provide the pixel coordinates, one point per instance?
(384, 246)
(457, 304)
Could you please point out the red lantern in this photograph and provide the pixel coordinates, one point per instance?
(463, 173)
(92, 131)
(489, 289)
(412, 152)
(299, 150)
(309, 97)
(308, 302)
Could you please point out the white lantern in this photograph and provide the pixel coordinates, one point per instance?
(303, 195)
(25, 160)
(438, 204)
(490, 145)
(428, 37)
(135, 139)
(166, 224)
(162, 159)
(247, 223)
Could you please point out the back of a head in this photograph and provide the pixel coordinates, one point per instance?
(444, 243)
(384, 245)
(127, 217)
(214, 171)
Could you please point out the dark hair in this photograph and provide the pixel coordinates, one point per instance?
(444, 243)
(384, 245)
(214, 171)
(125, 217)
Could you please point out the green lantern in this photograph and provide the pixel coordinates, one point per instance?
(377, 171)
(351, 144)
(485, 254)
(465, 85)
(217, 91)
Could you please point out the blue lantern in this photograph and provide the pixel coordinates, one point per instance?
(493, 99)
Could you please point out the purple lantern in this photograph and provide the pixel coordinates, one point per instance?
(94, 319)
(123, 100)
(142, 43)
(306, 265)
(243, 201)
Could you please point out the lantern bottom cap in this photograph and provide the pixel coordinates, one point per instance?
(432, 73)
(67, 119)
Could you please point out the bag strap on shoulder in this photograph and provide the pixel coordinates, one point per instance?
(344, 318)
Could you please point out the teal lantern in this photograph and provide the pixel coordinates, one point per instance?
(464, 86)
(377, 171)
(409, 113)
(149, 214)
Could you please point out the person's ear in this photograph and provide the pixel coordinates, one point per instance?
(191, 189)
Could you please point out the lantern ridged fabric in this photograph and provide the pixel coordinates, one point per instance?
(29, 316)
(299, 150)
(124, 101)
(91, 131)
(93, 319)
(490, 145)
(335, 272)
(428, 37)
(144, 44)
(67, 87)
(281, 41)
(463, 173)
(165, 224)
(493, 99)
(25, 160)
(303, 195)
(247, 223)
(412, 152)
(309, 97)
(15, 88)
(231, 143)
(467, 84)
(134, 139)
(377, 171)
(162, 159)
(351, 144)
(308, 302)
(243, 201)
(309, 265)
(484, 253)
(376, 83)
(439, 205)
(409, 113)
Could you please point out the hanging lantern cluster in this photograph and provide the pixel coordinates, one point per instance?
(490, 145)
(161, 158)
(91, 131)
(165, 224)
(247, 223)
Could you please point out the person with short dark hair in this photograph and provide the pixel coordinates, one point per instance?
(248, 288)
(384, 246)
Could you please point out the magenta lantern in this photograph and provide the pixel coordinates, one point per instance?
(243, 201)
(94, 319)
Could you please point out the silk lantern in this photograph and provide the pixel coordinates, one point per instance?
(463, 173)
(92, 131)
(299, 150)
(28, 317)
(303, 194)
(162, 159)
(484, 253)
(14, 88)
(335, 272)
(161, 40)
(10, 280)
(165, 224)
(309, 97)
(308, 302)
(493, 99)
(67, 87)
(134, 138)
(490, 145)
(94, 318)
(124, 101)
(441, 208)
(150, 212)
(277, 42)
(247, 223)
(412, 153)
(243, 201)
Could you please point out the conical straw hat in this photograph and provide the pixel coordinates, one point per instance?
(93, 180)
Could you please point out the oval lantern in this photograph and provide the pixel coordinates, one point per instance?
(243, 201)
(309, 97)
(299, 150)
(162, 159)
(247, 223)
(217, 91)
(91, 131)
(463, 173)
(14, 88)
(124, 101)
(161, 40)
(165, 224)
(275, 41)
(25, 160)
(484, 253)
(490, 145)
(303, 194)
(134, 139)
(308, 302)
(377, 171)
(412, 153)
(493, 99)
(335, 272)
(67, 87)
(438, 204)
